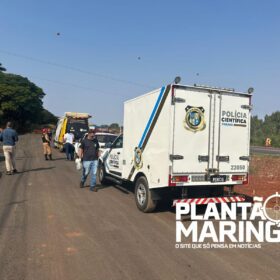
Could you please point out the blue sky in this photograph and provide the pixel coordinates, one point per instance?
(111, 51)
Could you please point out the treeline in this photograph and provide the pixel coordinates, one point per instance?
(112, 128)
(21, 102)
(269, 127)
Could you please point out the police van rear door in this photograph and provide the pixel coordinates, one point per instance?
(232, 134)
(191, 145)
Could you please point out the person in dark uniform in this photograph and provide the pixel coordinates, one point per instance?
(89, 153)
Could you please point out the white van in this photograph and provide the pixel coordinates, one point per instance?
(181, 140)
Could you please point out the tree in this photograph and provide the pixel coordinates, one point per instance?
(267, 128)
(2, 69)
(20, 101)
(48, 118)
(104, 126)
(256, 131)
(114, 126)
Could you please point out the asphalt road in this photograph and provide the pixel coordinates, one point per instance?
(265, 150)
(51, 229)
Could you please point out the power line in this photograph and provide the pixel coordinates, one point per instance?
(74, 85)
(77, 69)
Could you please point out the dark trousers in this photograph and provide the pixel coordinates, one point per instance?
(69, 150)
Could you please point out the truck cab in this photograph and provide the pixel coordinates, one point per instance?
(76, 123)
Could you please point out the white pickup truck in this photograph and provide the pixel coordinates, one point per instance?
(190, 142)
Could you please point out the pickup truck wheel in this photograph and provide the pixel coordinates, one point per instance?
(102, 174)
(143, 197)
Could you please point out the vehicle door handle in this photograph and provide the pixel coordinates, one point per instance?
(222, 158)
(118, 153)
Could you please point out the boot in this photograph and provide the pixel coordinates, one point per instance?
(46, 157)
(50, 156)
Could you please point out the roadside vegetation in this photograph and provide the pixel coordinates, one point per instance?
(21, 102)
(269, 127)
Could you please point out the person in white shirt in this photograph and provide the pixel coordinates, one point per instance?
(68, 145)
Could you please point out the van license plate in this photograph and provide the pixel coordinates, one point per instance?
(218, 179)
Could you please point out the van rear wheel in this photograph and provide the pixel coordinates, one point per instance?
(143, 196)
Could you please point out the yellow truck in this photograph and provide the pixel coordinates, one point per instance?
(74, 122)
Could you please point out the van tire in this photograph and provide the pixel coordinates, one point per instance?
(102, 174)
(143, 196)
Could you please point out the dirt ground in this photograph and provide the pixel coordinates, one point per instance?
(264, 178)
(51, 229)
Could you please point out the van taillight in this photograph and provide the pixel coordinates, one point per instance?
(243, 178)
(177, 179)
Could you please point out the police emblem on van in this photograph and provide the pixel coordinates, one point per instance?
(138, 160)
(194, 119)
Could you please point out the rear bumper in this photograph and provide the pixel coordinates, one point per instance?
(239, 178)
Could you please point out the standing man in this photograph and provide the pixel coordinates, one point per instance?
(89, 153)
(46, 144)
(68, 140)
(9, 138)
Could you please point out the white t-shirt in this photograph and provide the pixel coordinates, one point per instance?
(68, 138)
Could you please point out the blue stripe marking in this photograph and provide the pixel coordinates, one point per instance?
(151, 118)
